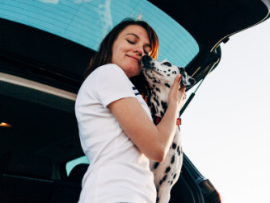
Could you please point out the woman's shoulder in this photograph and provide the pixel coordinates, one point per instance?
(105, 73)
(109, 68)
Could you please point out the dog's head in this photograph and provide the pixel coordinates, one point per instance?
(163, 73)
(161, 76)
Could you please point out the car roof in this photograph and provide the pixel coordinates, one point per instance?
(64, 61)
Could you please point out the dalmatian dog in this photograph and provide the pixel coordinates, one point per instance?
(160, 76)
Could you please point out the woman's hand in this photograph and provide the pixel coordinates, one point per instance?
(177, 94)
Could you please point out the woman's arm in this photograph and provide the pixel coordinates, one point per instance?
(153, 141)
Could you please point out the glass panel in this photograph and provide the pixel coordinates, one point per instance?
(87, 22)
(71, 164)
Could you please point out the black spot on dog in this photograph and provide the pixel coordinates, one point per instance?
(174, 72)
(173, 145)
(172, 160)
(167, 85)
(164, 71)
(167, 64)
(171, 182)
(155, 81)
(168, 75)
(169, 70)
(164, 105)
(160, 182)
(157, 89)
(156, 165)
(153, 85)
(156, 100)
(174, 176)
(178, 151)
(161, 113)
(164, 178)
(168, 169)
(157, 200)
(153, 110)
(148, 76)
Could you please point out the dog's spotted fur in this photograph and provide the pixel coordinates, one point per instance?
(160, 76)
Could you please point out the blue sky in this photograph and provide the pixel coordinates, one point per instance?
(226, 129)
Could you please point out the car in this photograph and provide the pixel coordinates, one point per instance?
(46, 46)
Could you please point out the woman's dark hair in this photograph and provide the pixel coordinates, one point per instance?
(104, 54)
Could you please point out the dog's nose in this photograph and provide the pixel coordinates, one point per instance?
(146, 60)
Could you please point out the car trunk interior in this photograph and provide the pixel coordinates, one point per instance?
(44, 134)
(41, 139)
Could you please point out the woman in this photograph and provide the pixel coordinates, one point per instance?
(115, 125)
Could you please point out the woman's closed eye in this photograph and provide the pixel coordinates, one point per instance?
(131, 42)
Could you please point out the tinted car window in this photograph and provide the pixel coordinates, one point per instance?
(87, 22)
(71, 164)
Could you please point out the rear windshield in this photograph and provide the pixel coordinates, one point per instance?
(71, 164)
(86, 22)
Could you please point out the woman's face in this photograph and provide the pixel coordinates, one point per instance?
(129, 48)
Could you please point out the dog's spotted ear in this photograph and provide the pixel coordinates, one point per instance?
(166, 63)
(186, 80)
(181, 70)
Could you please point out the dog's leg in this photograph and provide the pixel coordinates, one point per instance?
(163, 195)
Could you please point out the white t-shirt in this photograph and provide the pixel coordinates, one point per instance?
(118, 171)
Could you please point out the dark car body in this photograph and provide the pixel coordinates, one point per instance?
(44, 134)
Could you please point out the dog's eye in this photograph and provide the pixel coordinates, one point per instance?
(167, 64)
